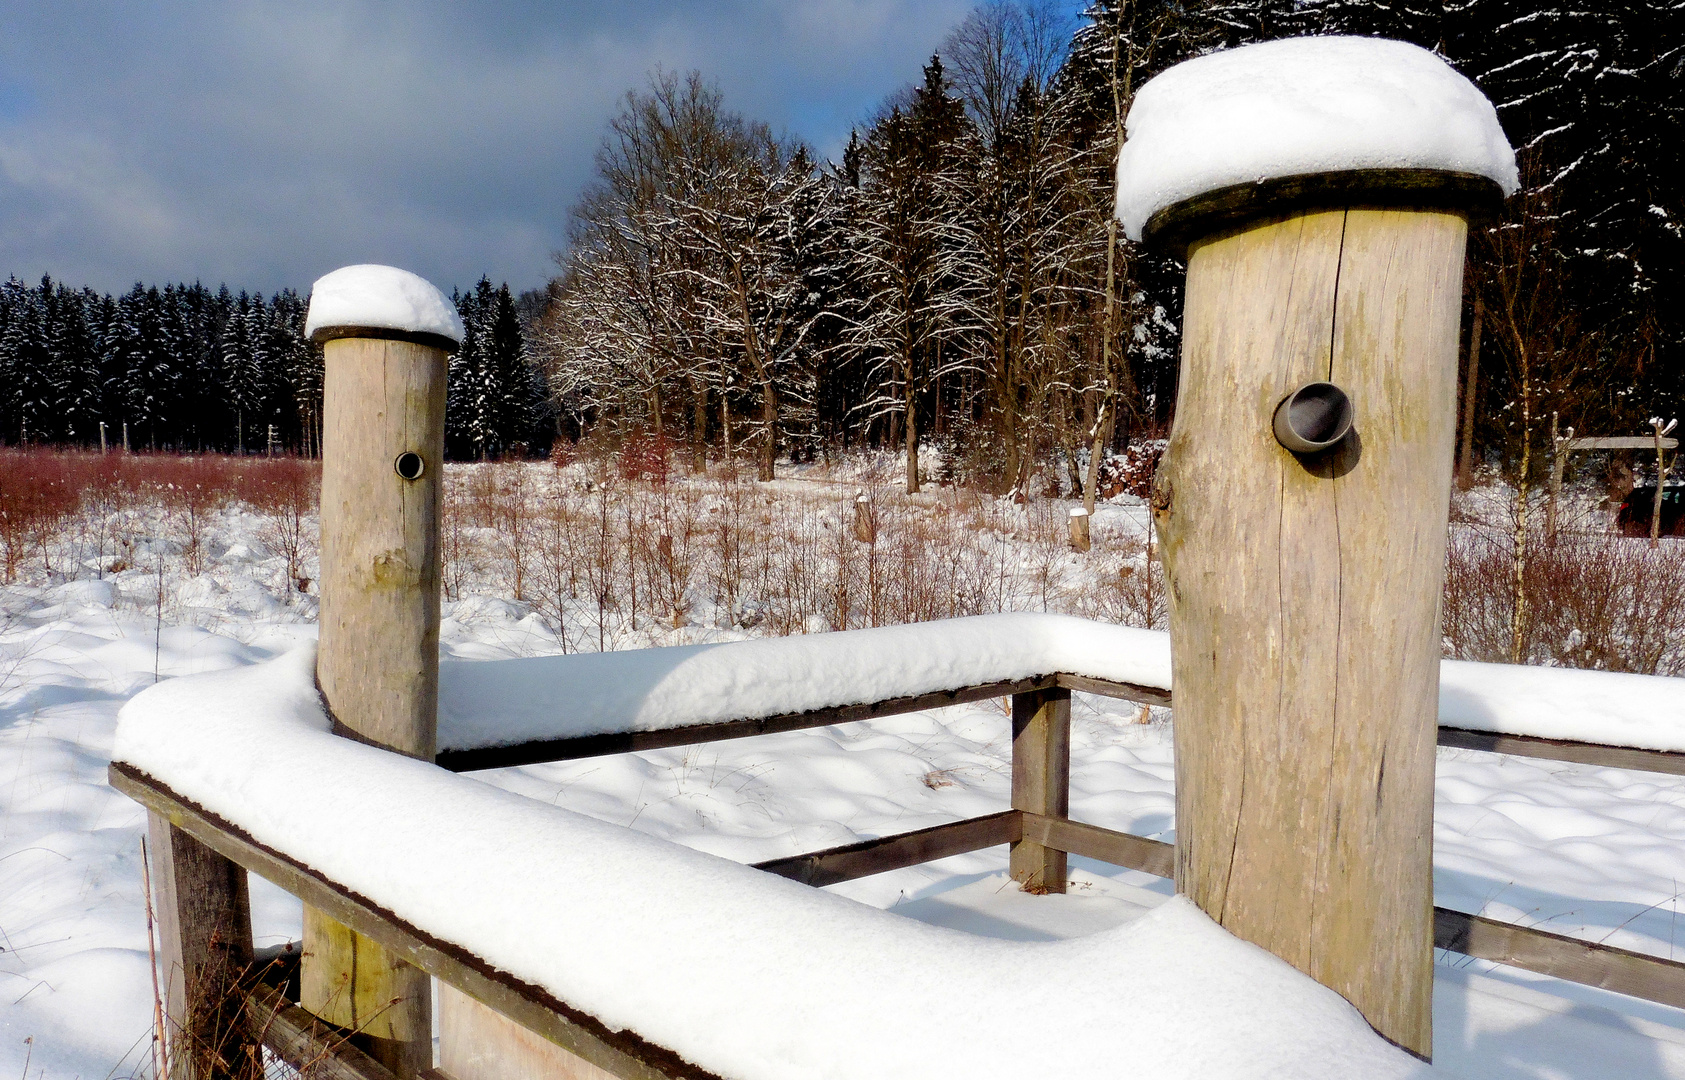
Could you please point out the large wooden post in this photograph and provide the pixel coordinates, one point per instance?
(1305, 589)
(1041, 780)
(204, 919)
(383, 405)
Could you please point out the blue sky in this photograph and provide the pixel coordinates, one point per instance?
(266, 144)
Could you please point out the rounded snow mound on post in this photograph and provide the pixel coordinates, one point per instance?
(1378, 113)
(369, 300)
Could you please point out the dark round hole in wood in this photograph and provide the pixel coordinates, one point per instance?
(409, 465)
(1313, 418)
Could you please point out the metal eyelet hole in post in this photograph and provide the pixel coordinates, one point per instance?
(409, 465)
(1313, 418)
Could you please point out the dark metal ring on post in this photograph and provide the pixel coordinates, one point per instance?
(409, 465)
(1313, 418)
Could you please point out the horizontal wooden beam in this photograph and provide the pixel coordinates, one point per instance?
(1574, 959)
(1586, 962)
(1621, 442)
(868, 857)
(1618, 757)
(1137, 692)
(621, 742)
(315, 1048)
(530, 753)
(1106, 845)
(621, 1053)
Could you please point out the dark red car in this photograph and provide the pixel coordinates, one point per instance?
(1634, 517)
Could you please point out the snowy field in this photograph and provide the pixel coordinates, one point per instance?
(1598, 853)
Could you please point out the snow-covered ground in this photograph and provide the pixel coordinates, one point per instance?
(1594, 852)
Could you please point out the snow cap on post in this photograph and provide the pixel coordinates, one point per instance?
(381, 302)
(1303, 122)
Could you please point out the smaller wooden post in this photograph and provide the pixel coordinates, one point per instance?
(205, 937)
(1079, 529)
(865, 519)
(1041, 780)
(1663, 466)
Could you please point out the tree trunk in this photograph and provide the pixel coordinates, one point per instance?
(912, 439)
(1465, 460)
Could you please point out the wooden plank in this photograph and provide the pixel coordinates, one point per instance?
(304, 1041)
(1312, 585)
(1093, 842)
(1586, 962)
(1041, 781)
(205, 937)
(478, 1043)
(622, 1053)
(1621, 442)
(1573, 959)
(1616, 757)
(622, 742)
(378, 663)
(1137, 692)
(867, 857)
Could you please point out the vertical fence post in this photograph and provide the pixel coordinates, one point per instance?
(1301, 505)
(204, 931)
(383, 406)
(1041, 780)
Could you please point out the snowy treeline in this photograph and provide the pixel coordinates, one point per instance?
(189, 369)
(955, 277)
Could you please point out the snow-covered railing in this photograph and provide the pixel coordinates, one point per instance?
(515, 712)
(523, 906)
(650, 959)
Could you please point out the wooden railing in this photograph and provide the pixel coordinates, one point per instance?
(1036, 828)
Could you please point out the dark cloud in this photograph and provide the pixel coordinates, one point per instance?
(264, 144)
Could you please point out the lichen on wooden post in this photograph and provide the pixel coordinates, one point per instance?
(386, 336)
(1305, 561)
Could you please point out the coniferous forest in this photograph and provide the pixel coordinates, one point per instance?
(955, 279)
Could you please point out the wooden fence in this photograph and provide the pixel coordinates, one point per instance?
(1036, 828)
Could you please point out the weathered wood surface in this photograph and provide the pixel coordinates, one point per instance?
(495, 757)
(867, 857)
(479, 1043)
(1305, 595)
(1614, 757)
(621, 742)
(378, 662)
(1107, 845)
(316, 1049)
(621, 1053)
(1041, 781)
(204, 915)
(1587, 962)
(1653, 978)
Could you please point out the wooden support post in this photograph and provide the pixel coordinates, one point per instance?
(1041, 780)
(1305, 592)
(383, 405)
(865, 519)
(1079, 530)
(205, 937)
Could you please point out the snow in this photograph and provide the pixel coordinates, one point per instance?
(1298, 106)
(497, 703)
(384, 297)
(1610, 707)
(552, 697)
(800, 982)
(1587, 851)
